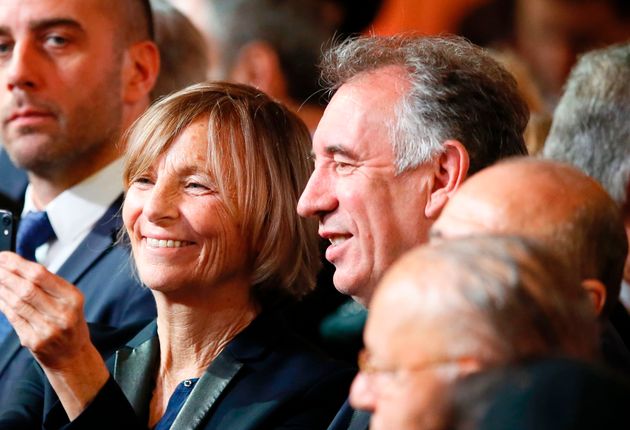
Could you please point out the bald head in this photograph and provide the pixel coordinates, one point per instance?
(501, 288)
(547, 201)
(449, 309)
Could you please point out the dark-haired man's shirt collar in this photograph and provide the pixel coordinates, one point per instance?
(74, 212)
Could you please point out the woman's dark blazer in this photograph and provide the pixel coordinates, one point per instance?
(266, 378)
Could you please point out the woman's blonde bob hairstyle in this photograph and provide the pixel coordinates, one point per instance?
(258, 153)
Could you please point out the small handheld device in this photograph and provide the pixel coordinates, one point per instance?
(7, 231)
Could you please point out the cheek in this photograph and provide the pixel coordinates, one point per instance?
(224, 247)
(131, 211)
(358, 201)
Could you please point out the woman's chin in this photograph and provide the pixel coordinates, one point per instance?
(162, 284)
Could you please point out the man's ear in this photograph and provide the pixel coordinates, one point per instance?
(258, 65)
(450, 171)
(469, 365)
(597, 293)
(141, 68)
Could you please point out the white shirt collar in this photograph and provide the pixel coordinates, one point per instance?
(74, 212)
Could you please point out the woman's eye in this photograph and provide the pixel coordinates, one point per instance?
(198, 187)
(142, 181)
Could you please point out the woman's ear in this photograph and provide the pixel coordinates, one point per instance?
(141, 68)
(596, 292)
(450, 172)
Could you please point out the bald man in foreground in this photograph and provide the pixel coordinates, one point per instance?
(447, 310)
(567, 211)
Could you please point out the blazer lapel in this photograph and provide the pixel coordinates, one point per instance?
(360, 420)
(98, 241)
(207, 390)
(135, 367)
(247, 347)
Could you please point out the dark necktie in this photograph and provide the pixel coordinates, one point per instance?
(34, 230)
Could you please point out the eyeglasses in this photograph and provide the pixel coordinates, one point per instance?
(390, 374)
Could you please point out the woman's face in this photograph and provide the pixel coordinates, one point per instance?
(181, 233)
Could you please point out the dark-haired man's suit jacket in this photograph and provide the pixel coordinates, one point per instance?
(265, 378)
(13, 182)
(98, 267)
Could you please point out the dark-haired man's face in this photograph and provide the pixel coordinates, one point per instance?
(60, 73)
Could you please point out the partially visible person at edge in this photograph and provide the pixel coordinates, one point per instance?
(568, 212)
(591, 131)
(73, 76)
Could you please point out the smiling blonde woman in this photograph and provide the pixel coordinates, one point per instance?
(213, 174)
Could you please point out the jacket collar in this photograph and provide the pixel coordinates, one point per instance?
(135, 367)
(102, 237)
(13, 183)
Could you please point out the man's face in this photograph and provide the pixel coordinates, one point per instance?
(369, 214)
(552, 33)
(60, 82)
(405, 370)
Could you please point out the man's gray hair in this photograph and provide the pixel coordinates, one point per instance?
(457, 92)
(591, 124)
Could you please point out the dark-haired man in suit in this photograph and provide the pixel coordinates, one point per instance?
(73, 76)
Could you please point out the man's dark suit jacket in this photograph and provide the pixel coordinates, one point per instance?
(99, 267)
(350, 419)
(266, 378)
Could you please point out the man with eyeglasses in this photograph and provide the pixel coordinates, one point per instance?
(451, 309)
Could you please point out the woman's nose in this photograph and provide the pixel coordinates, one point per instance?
(162, 203)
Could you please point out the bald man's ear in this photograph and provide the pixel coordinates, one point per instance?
(469, 365)
(140, 70)
(597, 293)
(258, 65)
(450, 171)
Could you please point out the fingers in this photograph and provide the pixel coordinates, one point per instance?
(32, 292)
(35, 273)
(44, 309)
(44, 292)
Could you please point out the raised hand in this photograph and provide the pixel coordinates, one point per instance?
(46, 312)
